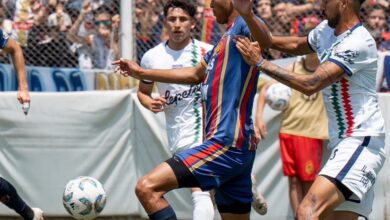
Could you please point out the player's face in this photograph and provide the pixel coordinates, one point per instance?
(331, 10)
(179, 25)
(222, 10)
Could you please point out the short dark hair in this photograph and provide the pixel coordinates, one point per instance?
(187, 5)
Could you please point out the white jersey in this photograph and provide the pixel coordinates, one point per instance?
(351, 103)
(183, 110)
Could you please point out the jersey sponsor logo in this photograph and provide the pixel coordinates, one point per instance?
(368, 178)
(174, 99)
(347, 55)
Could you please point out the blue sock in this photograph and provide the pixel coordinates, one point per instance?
(11, 199)
(164, 214)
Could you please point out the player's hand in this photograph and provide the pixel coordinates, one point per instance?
(127, 68)
(157, 105)
(250, 51)
(260, 130)
(244, 7)
(23, 97)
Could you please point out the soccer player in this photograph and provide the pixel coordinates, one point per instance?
(348, 57)
(180, 103)
(224, 160)
(8, 194)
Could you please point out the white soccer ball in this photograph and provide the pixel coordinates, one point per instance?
(278, 96)
(84, 198)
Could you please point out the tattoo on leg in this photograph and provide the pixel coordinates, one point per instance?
(313, 203)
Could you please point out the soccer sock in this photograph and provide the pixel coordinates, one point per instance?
(203, 206)
(163, 214)
(10, 198)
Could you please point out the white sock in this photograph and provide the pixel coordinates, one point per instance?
(203, 206)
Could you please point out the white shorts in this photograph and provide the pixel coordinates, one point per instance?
(356, 162)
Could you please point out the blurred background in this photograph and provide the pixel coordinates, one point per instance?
(88, 34)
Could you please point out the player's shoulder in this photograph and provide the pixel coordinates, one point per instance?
(204, 45)
(154, 51)
(360, 39)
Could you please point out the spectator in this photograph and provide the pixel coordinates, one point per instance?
(60, 18)
(376, 22)
(24, 19)
(38, 35)
(148, 25)
(95, 50)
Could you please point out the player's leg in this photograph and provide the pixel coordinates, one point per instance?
(346, 181)
(203, 205)
(345, 215)
(151, 188)
(321, 199)
(295, 192)
(289, 159)
(234, 197)
(10, 198)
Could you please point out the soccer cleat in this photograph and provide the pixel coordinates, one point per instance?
(259, 203)
(38, 214)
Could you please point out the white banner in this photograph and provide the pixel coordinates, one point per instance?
(110, 136)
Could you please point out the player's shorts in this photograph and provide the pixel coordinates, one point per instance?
(301, 156)
(225, 169)
(356, 162)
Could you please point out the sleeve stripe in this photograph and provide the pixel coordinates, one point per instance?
(340, 64)
(308, 43)
(146, 81)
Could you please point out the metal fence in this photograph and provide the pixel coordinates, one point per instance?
(85, 33)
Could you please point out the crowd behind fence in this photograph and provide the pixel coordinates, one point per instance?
(85, 33)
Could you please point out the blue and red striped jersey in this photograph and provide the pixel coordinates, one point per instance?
(228, 91)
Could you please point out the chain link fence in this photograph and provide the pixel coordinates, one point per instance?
(85, 33)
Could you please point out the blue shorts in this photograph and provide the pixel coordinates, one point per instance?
(223, 168)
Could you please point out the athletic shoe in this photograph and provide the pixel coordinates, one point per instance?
(38, 214)
(259, 203)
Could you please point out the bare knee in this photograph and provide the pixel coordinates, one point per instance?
(307, 210)
(144, 188)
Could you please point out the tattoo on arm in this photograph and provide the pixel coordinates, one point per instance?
(307, 84)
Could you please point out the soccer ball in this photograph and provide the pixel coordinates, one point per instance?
(84, 198)
(278, 96)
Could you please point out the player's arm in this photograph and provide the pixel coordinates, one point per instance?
(258, 29)
(260, 125)
(260, 32)
(326, 74)
(13, 48)
(73, 31)
(145, 97)
(188, 75)
(291, 44)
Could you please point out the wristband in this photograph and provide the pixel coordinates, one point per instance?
(260, 63)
